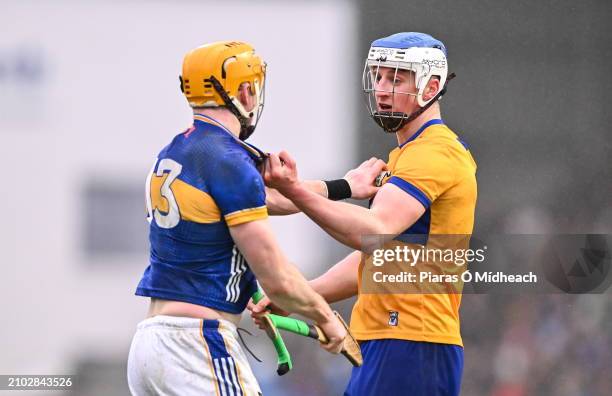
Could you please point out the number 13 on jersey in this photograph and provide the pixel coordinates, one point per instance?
(161, 203)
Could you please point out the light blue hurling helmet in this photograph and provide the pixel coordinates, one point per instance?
(416, 52)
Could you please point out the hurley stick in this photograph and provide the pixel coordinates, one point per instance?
(284, 363)
(350, 347)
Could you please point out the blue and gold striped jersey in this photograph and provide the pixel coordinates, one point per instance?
(203, 182)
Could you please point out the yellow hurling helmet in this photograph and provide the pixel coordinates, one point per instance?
(213, 73)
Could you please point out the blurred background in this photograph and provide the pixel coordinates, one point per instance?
(89, 94)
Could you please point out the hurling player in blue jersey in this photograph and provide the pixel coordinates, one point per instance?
(210, 238)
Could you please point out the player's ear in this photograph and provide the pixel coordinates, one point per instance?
(246, 96)
(433, 86)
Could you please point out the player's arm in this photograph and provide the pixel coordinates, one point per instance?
(242, 205)
(340, 281)
(281, 281)
(279, 205)
(392, 211)
(361, 181)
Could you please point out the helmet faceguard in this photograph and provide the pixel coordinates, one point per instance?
(213, 74)
(416, 52)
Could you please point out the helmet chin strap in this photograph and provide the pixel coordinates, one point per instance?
(246, 129)
(385, 118)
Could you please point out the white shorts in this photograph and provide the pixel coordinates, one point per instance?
(185, 356)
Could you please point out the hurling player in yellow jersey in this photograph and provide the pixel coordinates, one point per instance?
(411, 343)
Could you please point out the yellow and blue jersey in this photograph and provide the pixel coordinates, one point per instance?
(435, 167)
(203, 182)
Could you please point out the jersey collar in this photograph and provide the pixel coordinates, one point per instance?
(421, 129)
(210, 120)
(258, 155)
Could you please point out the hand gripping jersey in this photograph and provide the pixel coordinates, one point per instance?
(204, 181)
(436, 168)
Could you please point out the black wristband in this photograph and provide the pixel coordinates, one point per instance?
(338, 189)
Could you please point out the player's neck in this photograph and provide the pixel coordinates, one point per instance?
(222, 116)
(413, 126)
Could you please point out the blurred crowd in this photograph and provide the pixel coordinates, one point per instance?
(544, 345)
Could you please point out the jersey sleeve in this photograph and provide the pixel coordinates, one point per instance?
(424, 172)
(238, 190)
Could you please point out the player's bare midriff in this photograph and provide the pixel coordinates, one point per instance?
(178, 308)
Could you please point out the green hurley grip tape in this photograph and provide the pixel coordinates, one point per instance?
(257, 296)
(290, 324)
(284, 359)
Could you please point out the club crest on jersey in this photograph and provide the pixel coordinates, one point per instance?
(382, 178)
(393, 318)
